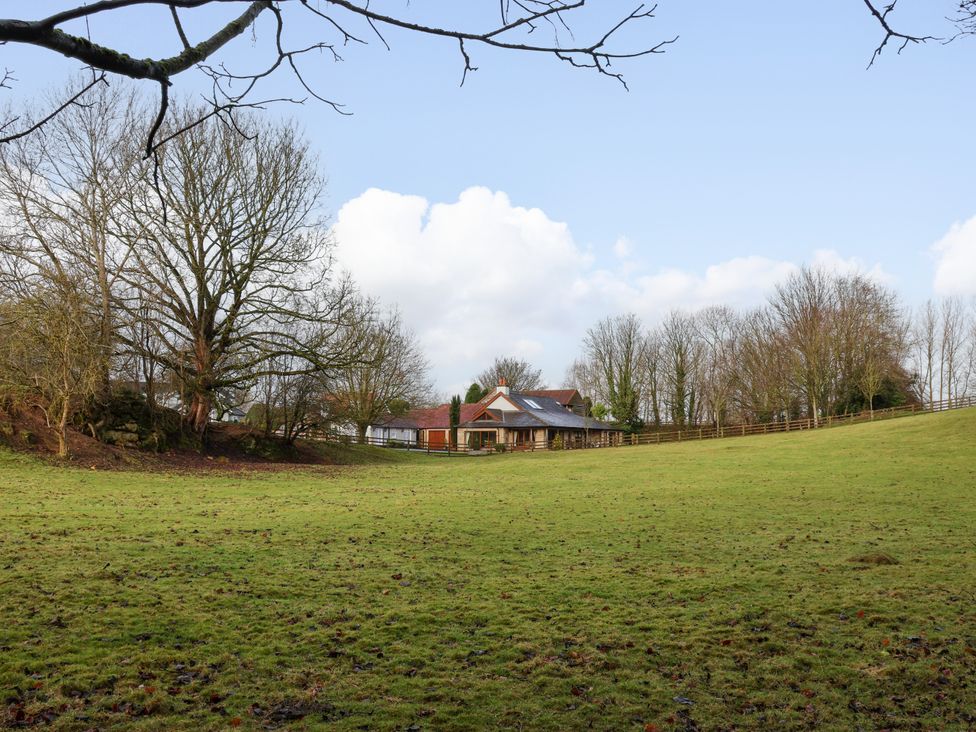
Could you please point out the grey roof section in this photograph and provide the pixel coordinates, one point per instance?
(547, 413)
(506, 419)
(402, 423)
(556, 415)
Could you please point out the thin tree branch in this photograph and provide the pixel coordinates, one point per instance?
(882, 18)
(179, 26)
(100, 79)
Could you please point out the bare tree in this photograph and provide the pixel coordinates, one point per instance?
(951, 347)
(58, 190)
(521, 26)
(233, 265)
(681, 354)
(52, 357)
(290, 401)
(968, 382)
(652, 379)
(718, 329)
(582, 376)
(925, 350)
(869, 341)
(804, 306)
(518, 374)
(615, 349)
(392, 369)
(764, 373)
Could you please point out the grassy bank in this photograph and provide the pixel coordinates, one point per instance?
(705, 585)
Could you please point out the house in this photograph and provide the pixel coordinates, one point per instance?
(393, 430)
(434, 424)
(521, 420)
(423, 427)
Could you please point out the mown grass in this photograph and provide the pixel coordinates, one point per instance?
(692, 586)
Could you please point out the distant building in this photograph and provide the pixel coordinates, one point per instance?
(535, 418)
(518, 420)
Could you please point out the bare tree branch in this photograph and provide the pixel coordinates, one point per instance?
(890, 33)
(179, 27)
(519, 19)
(72, 100)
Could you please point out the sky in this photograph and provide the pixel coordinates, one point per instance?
(507, 216)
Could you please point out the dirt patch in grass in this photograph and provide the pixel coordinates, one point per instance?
(877, 558)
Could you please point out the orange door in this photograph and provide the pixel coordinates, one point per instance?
(437, 439)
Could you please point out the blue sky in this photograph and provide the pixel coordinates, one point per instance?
(758, 138)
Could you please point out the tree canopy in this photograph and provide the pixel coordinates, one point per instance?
(518, 374)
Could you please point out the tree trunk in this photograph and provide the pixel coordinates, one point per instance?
(63, 429)
(361, 428)
(105, 329)
(198, 416)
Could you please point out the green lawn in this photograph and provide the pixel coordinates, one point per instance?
(689, 586)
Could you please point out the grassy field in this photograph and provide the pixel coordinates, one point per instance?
(691, 586)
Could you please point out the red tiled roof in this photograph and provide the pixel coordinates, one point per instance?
(563, 396)
(439, 418)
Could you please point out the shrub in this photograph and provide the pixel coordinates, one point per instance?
(557, 443)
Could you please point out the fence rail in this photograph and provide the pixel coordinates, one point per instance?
(658, 437)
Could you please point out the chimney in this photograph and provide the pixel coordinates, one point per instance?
(502, 387)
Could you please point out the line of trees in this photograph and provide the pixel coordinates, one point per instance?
(824, 344)
(203, 279)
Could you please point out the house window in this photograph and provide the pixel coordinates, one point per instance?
(479, 440)
(532, 404)
(523, 437)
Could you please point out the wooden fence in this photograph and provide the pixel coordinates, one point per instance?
(666, 435)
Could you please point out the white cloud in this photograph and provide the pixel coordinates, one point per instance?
(476, 278)
(480, 277)
(955, 269)
(832, 260)
(623, 247)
